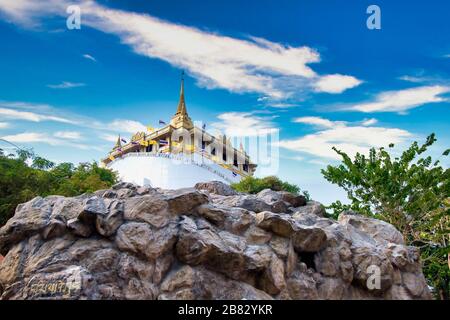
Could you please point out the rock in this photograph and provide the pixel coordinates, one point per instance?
(280, 225)
(208, 242)
(142, 240)
(108, 224)
(199, 283)
(184, 201)
(80, 228)
(280, 200)
(125, 185)
(152, 209)
(367, 263)
(308, 239)
(304, 238)
(302, 287)
(216, 187)
(292, 199)
(55, 228)
(30, 218)
(379, 230)
(312, 207)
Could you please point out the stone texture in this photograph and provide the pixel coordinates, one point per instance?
(216, 187)
(207, 242)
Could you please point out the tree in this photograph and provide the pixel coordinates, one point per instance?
(254, 185)
(20, 182)
(412, 192)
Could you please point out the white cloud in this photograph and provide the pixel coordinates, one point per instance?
(70, 135)
(123, 125)
(350, 139)
(336, 83)
(44, 112)
(89, 57)
(8, 113)
(402, 100)
(319, 122)
(66, 85)
(369, 122)
(413, 79)
(39, 137)
(109, 137)
(4, 125)
(244, 124)
(217, 61)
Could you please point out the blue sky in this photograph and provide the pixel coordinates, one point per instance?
(309, 70)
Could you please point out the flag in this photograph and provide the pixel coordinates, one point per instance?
(143, 143)
(123, 140)
(152, 142)
(163, 142)
(175, 143)
(150, 129)
(111, 158)
(161, 122)
(234, 174)
(134, 142)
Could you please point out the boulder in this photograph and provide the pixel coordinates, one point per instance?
(216, 187)
(379, 230)
(207, 242)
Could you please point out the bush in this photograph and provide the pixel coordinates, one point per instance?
(254, 185)
(20, 182)
(410, 192)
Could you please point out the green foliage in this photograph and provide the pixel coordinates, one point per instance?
(20, 182)
(411, 192)
(254, 185)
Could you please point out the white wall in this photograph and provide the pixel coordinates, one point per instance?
(169, 171)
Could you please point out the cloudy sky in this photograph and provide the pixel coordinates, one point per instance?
(309, 71)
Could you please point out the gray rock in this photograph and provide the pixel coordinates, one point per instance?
(133, 242)
(216, 187)
(379, 230)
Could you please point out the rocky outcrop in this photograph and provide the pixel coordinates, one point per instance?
(208, 242)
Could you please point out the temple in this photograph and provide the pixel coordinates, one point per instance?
(178, 155)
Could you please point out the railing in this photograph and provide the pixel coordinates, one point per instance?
(179, 157)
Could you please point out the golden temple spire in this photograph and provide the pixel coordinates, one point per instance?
(181, 117)
(181, 109)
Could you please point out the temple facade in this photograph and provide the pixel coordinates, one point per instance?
(178, 155)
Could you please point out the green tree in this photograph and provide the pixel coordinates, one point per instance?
(20, 182)
(254, 185)
(412, 192)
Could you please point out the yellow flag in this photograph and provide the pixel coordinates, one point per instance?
(111, 158)
(175, 143)
(143, 143)
(152, 142)
(150, 129)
